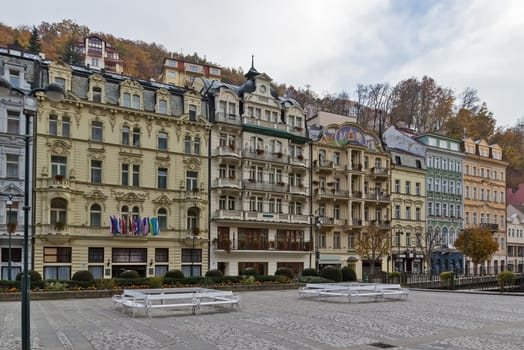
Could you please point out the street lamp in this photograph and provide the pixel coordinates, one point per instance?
(317, 246)
(54, 93)
(398, 256)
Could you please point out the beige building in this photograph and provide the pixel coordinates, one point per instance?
(259, 204)
(323, 118)
(98, 54)
(121, 173)
(351, 190)
(181, 72)
(484, 195)
(515, 215)
(408, 212)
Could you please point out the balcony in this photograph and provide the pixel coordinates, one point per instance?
(323, 165)
(226, 151)
(195, 193)
(356, 222)
(356, 195)
(261, 186)
(382, 224)
(269, 217)
(228, 214)
(356, 166)
(298, 161)
(290, 246)
(377, 197)
(59, 182)
(264, 123)
(298, 190)
(229, 118)
(299, 219)
(491, 227)
(228, 182)
(380, 172)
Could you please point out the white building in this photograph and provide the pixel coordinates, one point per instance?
(515, 238)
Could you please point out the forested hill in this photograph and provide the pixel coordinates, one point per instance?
(421, 104)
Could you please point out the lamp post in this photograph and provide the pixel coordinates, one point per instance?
(317, 245)
(55, 93)
(398, 256)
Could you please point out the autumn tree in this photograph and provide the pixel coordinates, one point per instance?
(427, 242)
(477, 243)
(422, 105)
(512, 142)
(372, 245)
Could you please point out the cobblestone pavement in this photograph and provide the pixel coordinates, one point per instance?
(277, 320)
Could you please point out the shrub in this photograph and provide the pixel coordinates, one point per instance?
(263, 278)
(249, 271)
(348, 274)
(83, 276)
(249, 280)
(156, 282)
(446, 276)
(505, 278)
(309, 272)
(129, 274)
(331, 273)
(130, 282)
(214, 273)
(312, 279)
(284, 271)
(35, 276)
(56, 286)
(175, 274)
(104, 283)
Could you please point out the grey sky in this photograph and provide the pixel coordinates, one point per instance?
(329, 45)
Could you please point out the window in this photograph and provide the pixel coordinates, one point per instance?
(418, 164)
(437, 185)
(397, 186)
(256, 204)
(437, 209)
(11, 164)
(125, 174)
(417, 214)
(501, 197)
(13, 122)
(162, 141)
(58, 211)
(336, 158)
(58, 165)
(417, 188)
(162, 178)
(192, 112)
(65, 126)
(191, 256)
(136, 137)
(466, 169)
(187, 144)
(408, 187)
(474, 218)
(95, 215)
(96, 171)
(430, 184)
(466, 194)
(14, 77)
(474, 193)
(161, 255)
(336, 240)
(95, 255)
(53, 125)
(126, 100)
(451, 210)
(162, 107)
(467, 218)
(191, 180)
(444, 209)
(196, 145)
(126, 255)
(162, 220)
(125, 135)
(96, 131)
(97, 94)
(336, 212)
(351, 241)
(408, 213)
(136, 175)
(136, 102)
(397, 211)
(397, 160)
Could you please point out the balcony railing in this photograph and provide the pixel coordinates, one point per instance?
(377, 196)
(491, 227)
(228, 182)
(356, 222)
(226, 151)
(323, 164)
(59, 182)
(356, 166)
(228, 214)
(229, 118)
(261, 186)
(195, 193)
(265, 123)
(380, 171)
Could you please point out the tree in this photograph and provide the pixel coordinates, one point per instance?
(372, 245)
(427, 242)
(34, 41)
(512, 143)
(477, 243)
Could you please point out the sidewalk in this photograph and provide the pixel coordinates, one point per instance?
(277, 320)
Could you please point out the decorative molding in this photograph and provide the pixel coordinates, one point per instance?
(129, 196)
(59, 147)
(192, 163)
(96, 195)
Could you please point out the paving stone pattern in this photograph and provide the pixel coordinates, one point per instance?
(277, 320)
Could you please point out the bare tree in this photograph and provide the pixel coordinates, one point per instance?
(372, 245)
(427, 242)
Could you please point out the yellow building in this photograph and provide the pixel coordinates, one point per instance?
(484, 196)
(351, 191)
(408, 212)
(181, 72)
(121, 173)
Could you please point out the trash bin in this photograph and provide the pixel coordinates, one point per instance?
(365, 278)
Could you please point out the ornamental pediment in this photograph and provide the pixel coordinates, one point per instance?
(162, 200)
(192, 163)
(129, 196)
(59, 147)
(95, 195)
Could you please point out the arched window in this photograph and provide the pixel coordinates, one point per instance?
(445, 237)
(136, 213)
(96, 215)
(58, 211)
(187, 144)
(125, 214)
(197, 145)
(162, 218)
(136, 137)
(193, 215)
(125, 135)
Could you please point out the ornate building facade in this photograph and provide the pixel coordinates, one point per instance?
(259, 179)
(484, 196)
(351, 174)
(121, 173)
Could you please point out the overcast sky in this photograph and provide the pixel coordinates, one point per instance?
(330, 45)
